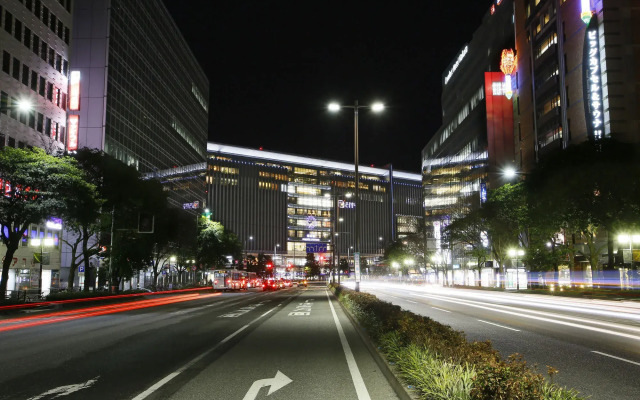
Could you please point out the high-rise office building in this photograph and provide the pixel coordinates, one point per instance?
(144, 98)
(475, 140)
(283, 204)
(577, 78)
(35, 38)
(34, 46)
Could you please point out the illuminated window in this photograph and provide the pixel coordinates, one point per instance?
(305, 171)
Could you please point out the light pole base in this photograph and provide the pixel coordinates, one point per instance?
(357, 286)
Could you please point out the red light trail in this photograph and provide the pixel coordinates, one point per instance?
(62, 316)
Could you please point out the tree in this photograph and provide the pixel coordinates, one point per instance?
(36, 186)
(215, 243)
(311, 266)
(469, 233)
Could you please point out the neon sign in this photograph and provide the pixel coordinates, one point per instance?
(456, 64)
(72, 133)
(592, 82)
(346, 204)
(74, 91)
(508, 63)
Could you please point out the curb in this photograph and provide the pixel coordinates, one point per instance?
(398, 387)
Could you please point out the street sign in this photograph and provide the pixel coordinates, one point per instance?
(316, 247)
(45, 259)
(81, 268)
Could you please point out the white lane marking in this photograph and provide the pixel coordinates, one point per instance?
(520, 314)
(440, 309)
(501, 326)
(177, 372)
(361, 389)
(411, 301)
(66, 390)
(276, 383)
(617, 358)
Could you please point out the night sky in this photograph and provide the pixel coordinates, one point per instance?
(273, 66)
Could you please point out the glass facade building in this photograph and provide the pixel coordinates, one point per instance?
(475, 141)
(279, 203)
(143, 95)
(555, 54)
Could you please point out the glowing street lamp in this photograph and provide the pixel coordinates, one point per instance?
(22, 106)
(376, 107)
(630, 239)
(42, 243)
(515, 253)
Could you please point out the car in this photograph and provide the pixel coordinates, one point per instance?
(302, 282)
(287, 283)
(270, 284)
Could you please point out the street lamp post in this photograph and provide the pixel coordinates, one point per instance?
(631, 239)
(515, 253)
(376, 107)
(42, 243)
(274, 254)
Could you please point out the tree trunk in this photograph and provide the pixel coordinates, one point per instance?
(12, 246)
(85, 253)
(610, 257)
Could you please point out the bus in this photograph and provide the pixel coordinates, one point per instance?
(229, 279)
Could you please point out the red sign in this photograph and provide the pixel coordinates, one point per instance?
(72, 133)
(499, 121)
(74, 91)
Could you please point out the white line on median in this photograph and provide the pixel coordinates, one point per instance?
(617, 358)
(440, 309)
(498, 325)
(411, 301)
(177, 372)
(361, 389)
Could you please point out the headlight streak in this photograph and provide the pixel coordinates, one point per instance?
(595, 307)
(20, 323)
(521, 314)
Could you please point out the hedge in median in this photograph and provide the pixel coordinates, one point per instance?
(440, 363)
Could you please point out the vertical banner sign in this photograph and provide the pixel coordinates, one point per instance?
(592, 82)
(74, 91)
(72, 133)
(356, 263)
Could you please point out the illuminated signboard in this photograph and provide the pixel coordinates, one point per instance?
(191, 206)
(311, 222)
(346, 204)
(508, 63)
(74, 91)
(316, 247)
(592, 82)
(456, 64)
(72, 133)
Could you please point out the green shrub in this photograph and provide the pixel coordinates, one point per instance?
(433, 377)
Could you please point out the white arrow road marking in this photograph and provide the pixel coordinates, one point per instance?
(66, 390)
(277, 382)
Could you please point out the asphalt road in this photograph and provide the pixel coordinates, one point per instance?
(290, 344)
(595, 344)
